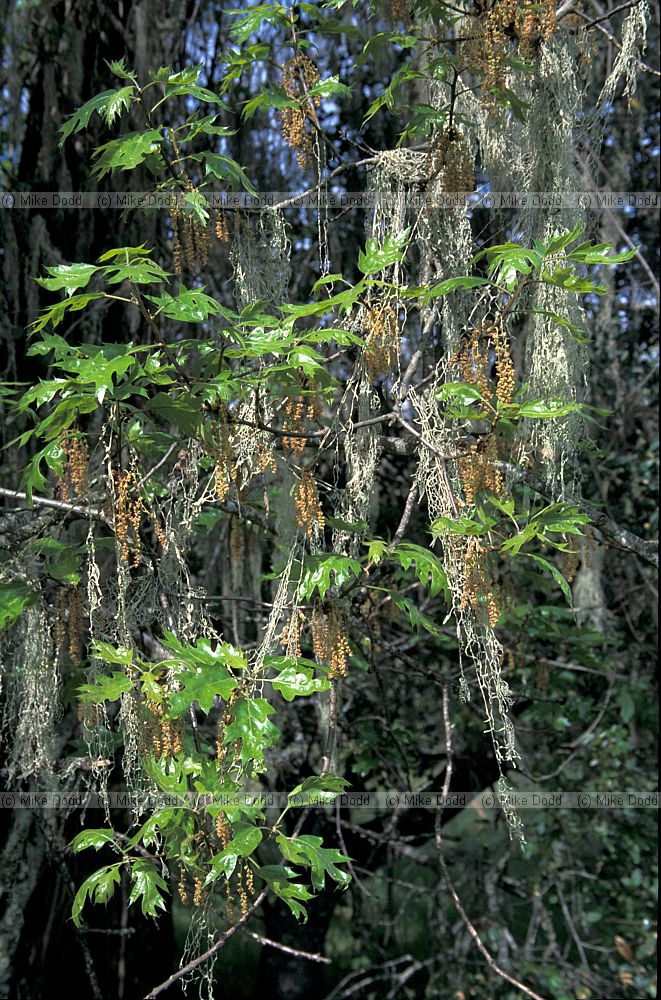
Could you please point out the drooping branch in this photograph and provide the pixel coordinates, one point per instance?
(647, 549)
(226, 935)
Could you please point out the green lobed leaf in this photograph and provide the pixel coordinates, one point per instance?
(378, 256)
(201, 687)
(451, 285)
(324, 571)
(280, 880)
(71, 277)
(140, 271)
(56, 313)
(100, 103)
(318, 787)
(119, 68)
(15, 596)
(98, 888)
(416, 617)
(92, 838)
(308, 851)
(125, 153)
(112, 654)
(107, 687)
(556, 574)
(223, 863)
(428, 567)
(296, 680)
(547, 409)
(147, 886)
(246, 838)
(252, 726)
(169, 774)
(188, 306)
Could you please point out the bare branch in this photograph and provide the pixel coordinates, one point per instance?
(62, 505)
(310, 956)
(210, 952)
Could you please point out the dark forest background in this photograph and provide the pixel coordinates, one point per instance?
(575, 911)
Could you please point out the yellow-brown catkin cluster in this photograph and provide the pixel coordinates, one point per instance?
(309, 513)
(264, 457)
(479, 470)
(381, 340)
(474, 361)
(73, 480)
(478, 467)
(221, 228)
(199, 892)
(505, 370)
(191, 236)
(290, 637)
(191, 241)
(499, 23)
(225, 470)
(329, 639)
(301, 409)
(569, 558)
(159, 530)
(400, 12)
(128, 515)
(536, 23)
(163, 737)
(223, 722)
(229, 904)
(485, 49)
(249, 879)
(182, 887)
(300, 75)
(241, 889)
(451, 161)
(223, 830)
(75, 623)
(479, 589)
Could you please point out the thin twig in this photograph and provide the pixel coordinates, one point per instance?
(158, 465)
(210, 952)
(406, 515)
(572, 926)
(622, 233)
(310, 956)
(438, 836)
(608, 14)
(171, 356)
(611, 38)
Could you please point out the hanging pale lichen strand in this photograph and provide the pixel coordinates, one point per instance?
(32, 699)
(465, 335)
(474, 600)
(557, 362)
